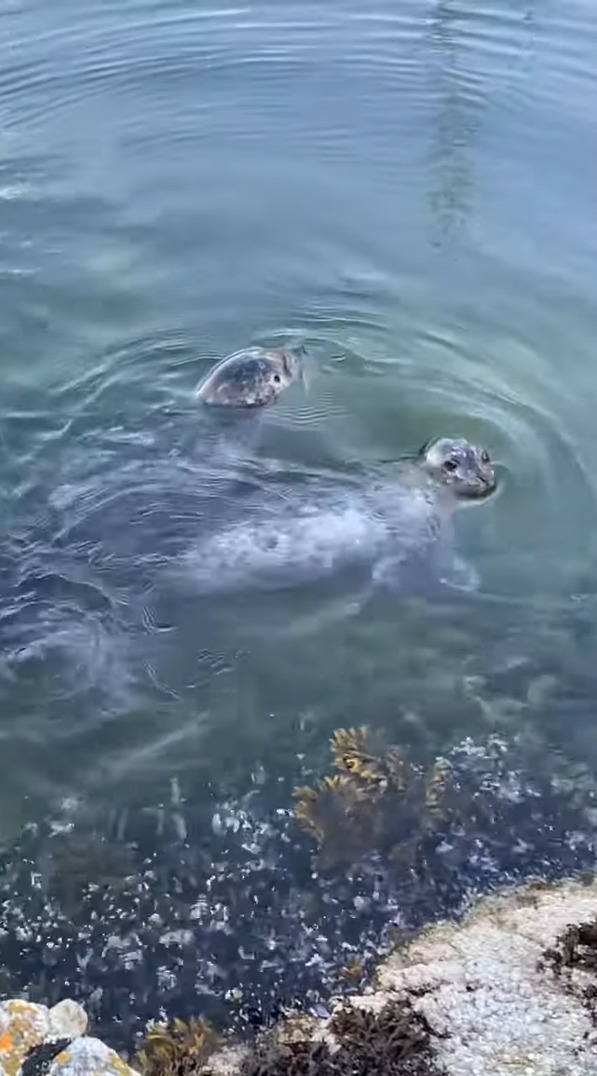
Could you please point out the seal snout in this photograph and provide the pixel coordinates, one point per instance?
(482, 474)
(487, 479)
(293, 362)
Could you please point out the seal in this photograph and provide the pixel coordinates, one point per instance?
(394, 527)
(444, 474)
(251, 378)
(463, 468)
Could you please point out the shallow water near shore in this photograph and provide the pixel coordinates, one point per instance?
(408, 191)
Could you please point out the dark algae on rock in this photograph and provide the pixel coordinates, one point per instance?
(573, 960)
(38, 1060)
(392, 1042)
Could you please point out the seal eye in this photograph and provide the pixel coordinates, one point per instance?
(277, 379)
(450, 465)
(484, 456)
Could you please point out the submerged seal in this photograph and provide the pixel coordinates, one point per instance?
(388, 527)
(253, 377)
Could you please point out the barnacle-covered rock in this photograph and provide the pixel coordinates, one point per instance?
(66, 1020)
(480, 996)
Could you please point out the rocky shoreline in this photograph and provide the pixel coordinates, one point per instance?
(510, 990)
(230, 911)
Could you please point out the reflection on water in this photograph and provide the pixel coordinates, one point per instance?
(466, 60)
(178, 181)
(451, 200)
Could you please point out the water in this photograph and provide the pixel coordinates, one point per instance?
(407, 189)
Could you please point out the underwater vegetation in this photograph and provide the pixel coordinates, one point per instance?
(176, 1048)
(392, 1042)
(156, 913)
(380, 801)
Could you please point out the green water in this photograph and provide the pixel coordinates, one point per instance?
(409, 189)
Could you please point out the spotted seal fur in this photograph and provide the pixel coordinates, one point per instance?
(251, 378)
(286, 536)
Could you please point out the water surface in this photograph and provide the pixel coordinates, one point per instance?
(407, 188)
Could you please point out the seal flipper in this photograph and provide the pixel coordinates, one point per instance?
(459, 574)
(453, 570)
(388, 573)
(398, 573)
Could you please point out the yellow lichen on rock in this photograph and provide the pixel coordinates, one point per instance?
(22, 1026)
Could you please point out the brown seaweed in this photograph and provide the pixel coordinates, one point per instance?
(395, 1041)
(177, 1048)
(576, 950)
(377, 800)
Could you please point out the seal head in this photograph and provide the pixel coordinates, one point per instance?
(251, 378)
(465, 468)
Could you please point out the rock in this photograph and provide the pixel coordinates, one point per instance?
(67, 1020)
(23, 1025)
(493, 995)
(89, 1057)
(510, 989)
(481, 986)
(37, 1041)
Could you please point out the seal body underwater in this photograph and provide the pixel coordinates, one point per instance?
(302, 536)
(251, 378)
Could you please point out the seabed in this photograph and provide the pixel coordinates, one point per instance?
(509, 990)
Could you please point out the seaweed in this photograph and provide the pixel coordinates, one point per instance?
(176, 1048)
(231, 926)
(378, 801)
(576, 950)
(395, 1041)
(38, 1059)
